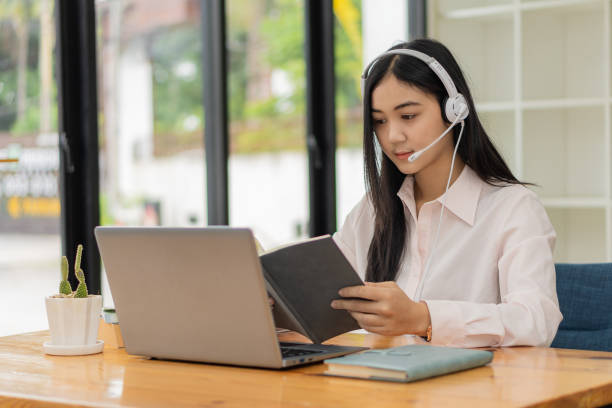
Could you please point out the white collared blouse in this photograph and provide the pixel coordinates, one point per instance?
(492, 277)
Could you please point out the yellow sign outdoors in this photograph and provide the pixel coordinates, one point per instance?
(18, 207)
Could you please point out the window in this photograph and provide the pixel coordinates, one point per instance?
(363, 30)
(29, 200)
(268, 164)
(152, 166)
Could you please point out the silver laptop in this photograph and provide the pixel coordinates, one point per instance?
(197, 294)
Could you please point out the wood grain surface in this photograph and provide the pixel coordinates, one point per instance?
(522, 376)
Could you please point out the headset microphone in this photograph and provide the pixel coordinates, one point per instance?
(418, 153)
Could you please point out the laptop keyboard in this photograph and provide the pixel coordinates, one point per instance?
(294, 352)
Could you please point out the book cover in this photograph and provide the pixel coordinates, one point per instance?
(303, 279)
(407, 363)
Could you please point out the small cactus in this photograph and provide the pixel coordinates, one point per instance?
(81, 290)
(77, 261)
(64, 286)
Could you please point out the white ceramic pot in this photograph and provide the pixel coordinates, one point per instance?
(74, 321)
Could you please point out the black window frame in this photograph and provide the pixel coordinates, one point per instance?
(78, 134)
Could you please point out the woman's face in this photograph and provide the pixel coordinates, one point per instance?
(405, 120)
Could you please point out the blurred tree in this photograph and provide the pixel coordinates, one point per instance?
(177, 76)
(282, 49)
(17, 14)
(177, 89)
(47, 39)
(348, 53)
(27, 89)
(21, 13)
(265, 40)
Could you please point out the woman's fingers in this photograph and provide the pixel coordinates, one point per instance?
(353, 305)
(371, 292)
(382, 309)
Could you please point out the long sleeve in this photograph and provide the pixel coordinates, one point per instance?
(529, 311)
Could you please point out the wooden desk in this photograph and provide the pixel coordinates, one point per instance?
(516, 377)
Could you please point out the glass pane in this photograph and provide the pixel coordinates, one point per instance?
(268, 168)
(29, 201)
(151, 114)
(363, 30)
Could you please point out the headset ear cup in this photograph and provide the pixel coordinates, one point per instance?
(456, 108)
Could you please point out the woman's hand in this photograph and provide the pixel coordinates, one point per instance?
(386, 310)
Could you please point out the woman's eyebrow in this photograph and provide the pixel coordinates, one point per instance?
(400, 106)
(407, 103)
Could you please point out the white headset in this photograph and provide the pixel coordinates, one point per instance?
(455, 107)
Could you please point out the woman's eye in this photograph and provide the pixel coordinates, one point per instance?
(379, 121)
(408, 116)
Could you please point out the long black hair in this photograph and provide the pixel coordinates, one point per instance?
(383, 179)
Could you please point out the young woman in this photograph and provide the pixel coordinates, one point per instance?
(451, 245)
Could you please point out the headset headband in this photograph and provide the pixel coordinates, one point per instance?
(435, 66)
(455, 108)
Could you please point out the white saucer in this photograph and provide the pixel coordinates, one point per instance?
(57, 350)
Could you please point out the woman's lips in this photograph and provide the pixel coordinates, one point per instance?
(403, 156)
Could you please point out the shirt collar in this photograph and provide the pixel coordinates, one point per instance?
(461, 198)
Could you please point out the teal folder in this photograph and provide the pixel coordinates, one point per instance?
(407, 363)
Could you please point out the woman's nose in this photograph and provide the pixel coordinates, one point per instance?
(396, 133)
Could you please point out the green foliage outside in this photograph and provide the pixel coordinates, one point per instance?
(30, 120)
(272, 123)
(176, 95)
